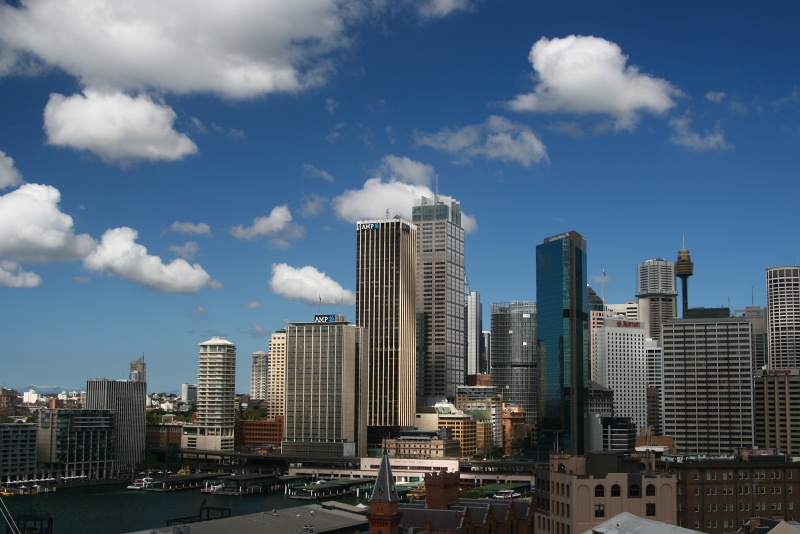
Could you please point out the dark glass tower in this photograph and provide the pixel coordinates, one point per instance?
(563, 343)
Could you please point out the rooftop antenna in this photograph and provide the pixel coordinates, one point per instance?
(603, 286)
(387, 213)
(436, 194)
(752, 297)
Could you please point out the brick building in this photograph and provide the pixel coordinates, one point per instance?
(718, 496)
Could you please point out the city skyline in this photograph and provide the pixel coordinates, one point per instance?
(154, 195)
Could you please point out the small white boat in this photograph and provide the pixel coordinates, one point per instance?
(506, 494)
(141, 483)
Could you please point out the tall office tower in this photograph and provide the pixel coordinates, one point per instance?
(441, 330)
(596, 319)
(707, 395)
(129, 400)
(474, 333)
(684, 268)
(563, 332)
(621, 367)
(385, 307)
(653, 353)
(138, 370)
(758, 318)
(486, 352)
(657, 294)
(783, 317)
(514, 362)
(258, 375)
(216, 398)
(276, 374)
(325, 389)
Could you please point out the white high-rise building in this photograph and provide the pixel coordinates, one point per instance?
(216, 398)
(707, 393)
(276, 374)
(657, 294)
(621, 366)
(629, 309)
(259, 375)
(783, 317)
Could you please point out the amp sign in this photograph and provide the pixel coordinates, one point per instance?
(324, 318)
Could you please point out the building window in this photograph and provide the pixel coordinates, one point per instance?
(599, 491)
(650, 491)
(599, 510)
(615, 490)
(650, 509)
(635, 491)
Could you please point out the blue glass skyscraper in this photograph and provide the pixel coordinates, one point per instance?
(563, 343)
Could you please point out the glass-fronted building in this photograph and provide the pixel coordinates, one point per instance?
(563, 343)
(514, 369)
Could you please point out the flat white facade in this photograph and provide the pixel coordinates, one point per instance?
(129, 400)
(258, 375)
(707, 393)
(622, 367)
(474, 333)
(783, 317)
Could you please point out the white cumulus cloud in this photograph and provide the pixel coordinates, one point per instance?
(580, 74)
(180, 227)
(708, 140)
(394, 190)
(119, 254)
(33, 228)
(277, 226)
(9, 175)
(116, 127)
(309, 285)
(186, 251)
(12, 275)
(441, 8)
(497, 138)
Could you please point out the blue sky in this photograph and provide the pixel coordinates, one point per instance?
(172, 172)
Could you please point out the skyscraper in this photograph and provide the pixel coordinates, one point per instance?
(563, 331)
(474, 333)
(514, 363)
(258, 375)
(657, 294)
(325, 389)
(783, 317)
(385, 307)
(441, 350)
(129, 400)
(707, 393)
(138, 370)
(621, 367)
(758, 318)
(276, 374)
(216, 398)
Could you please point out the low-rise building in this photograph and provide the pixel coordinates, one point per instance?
(720, 495)
(77, 443)
(421, 444)
(576, 493)
(17, 451)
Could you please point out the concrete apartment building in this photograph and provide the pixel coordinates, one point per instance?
(216, 398)
(783, 317)
(718, 496)
(276, 374)
(259, 375)
(576, 493)
(472, 399)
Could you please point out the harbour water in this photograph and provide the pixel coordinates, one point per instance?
(116, 510)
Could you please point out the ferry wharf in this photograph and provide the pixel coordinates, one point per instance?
(182, 482)
(324, 489)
